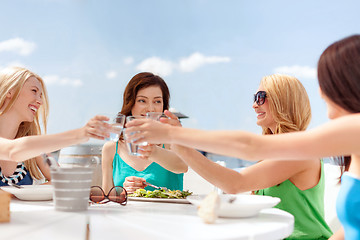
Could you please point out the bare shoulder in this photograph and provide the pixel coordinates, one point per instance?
(109, 146)
(309, 166)
(310, 174)
(354, 116)
(284, 168)
(350, 121)
(293, 168)
(40, 161)
(108, 151)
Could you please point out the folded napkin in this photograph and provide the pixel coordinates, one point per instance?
(209, 207)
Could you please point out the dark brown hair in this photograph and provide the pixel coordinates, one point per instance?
(339, 78)
(138, 82)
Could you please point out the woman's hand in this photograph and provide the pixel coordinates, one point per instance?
(97, 128)
(133, 183)
(146, 150)
(147, 130)
(150, 131)
(172, 119)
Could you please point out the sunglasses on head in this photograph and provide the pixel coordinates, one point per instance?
(259, 97)
(116, 194)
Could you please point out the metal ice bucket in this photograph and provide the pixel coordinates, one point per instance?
(83, 155)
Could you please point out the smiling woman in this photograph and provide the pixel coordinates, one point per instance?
(23, 100)
(158, 165)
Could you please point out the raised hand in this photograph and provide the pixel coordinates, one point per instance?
(147, 130)
(172, 119)
(97, 128)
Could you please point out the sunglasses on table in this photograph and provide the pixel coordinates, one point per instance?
(116, 194)
(260, 97)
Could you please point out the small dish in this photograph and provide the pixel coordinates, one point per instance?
(31, 192)
(243, 205)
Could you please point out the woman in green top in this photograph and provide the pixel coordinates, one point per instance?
(158, 165)
(282, 105)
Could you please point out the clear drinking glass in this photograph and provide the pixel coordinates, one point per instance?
(134, 148)
(155, 115)
(117, 125)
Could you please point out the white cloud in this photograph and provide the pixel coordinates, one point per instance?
(111, 74)
(188, 64)
(128, 60)
(17, 45)
(197, 60)
(56, 80)
(156, 65)
(298, 71)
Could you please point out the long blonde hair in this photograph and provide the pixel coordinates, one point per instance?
(288, 102)
(14, 78)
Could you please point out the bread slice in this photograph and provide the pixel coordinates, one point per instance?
(4, 206)
(208, 209)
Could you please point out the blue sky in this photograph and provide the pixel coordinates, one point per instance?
(212, 54)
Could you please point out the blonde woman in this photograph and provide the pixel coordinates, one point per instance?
(23, 100)
(282, 106)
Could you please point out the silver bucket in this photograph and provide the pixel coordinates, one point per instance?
(83, 155)
(71, 188)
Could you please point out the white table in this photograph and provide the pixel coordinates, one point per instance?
(138, 220)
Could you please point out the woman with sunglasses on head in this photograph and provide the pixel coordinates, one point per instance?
(23, 100)
(158, 165)
(339, 80)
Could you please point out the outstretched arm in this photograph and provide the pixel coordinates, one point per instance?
(21, 149)
(258, 176)
(338, 137)
(165, 157)
(168, 160)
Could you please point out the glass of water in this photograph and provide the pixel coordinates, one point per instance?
(155, 115)
(134, 148)
(117, 125)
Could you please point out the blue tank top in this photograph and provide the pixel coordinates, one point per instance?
(348, 205)
(154, 174)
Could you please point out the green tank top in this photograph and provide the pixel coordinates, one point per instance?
(154, 174)
(306, 206)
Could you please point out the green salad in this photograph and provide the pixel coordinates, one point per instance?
(161, 194)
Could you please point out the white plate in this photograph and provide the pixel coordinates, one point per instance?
(31, 192)
(243, 206)
(164, 200)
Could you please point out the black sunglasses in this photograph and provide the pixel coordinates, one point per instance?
(259, 97)
(116, 194)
